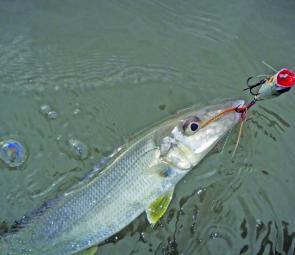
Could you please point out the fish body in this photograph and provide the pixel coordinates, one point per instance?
(148, 166)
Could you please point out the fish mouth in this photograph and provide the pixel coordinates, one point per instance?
(224, 119)
(235, 104)
(230, 108)
(238, 102)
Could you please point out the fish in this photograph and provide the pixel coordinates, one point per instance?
(140, 177)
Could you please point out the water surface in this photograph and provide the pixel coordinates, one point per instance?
(105, 69)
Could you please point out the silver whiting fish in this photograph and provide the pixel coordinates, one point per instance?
(140, 177)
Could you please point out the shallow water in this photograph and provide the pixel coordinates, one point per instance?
(78, 79)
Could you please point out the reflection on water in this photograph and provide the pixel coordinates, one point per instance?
(268, 123)
(77, 80)
(12, 153)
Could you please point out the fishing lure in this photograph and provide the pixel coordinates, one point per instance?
(270, 87)
(273, 85)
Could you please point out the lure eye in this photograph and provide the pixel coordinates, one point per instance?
(190, 126)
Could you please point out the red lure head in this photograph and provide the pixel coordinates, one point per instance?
(285, 78)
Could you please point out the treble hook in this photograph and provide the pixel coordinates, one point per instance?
(251, 87)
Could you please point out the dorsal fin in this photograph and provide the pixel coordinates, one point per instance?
(95, 171)
(99, 166)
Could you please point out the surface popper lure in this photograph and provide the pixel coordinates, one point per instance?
(270, 87)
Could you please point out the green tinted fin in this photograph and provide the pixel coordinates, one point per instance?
(90, 251)
(157, 208)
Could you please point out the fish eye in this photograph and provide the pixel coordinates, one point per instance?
(191, 126)
(194, 126)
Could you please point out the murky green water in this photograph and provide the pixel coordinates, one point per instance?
(109, 68)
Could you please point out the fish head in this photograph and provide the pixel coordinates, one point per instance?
(196, 132)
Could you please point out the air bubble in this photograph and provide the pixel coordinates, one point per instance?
(52, 115)
(12, 153)
(214, 235)
(76, 111)
(47, 110)
(78, 149)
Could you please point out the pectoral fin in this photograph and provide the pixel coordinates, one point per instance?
(162, 169)
(157, 208)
